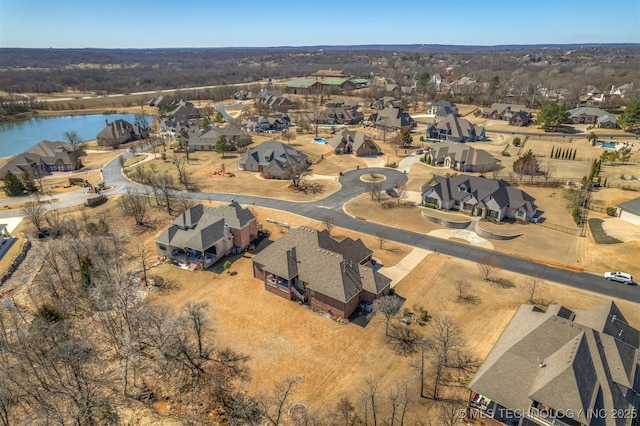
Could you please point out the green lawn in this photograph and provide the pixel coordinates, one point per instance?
(599, 233)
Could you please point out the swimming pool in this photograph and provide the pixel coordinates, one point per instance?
(611, 145)
(319, 140)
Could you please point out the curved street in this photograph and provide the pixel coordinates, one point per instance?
(353, 186)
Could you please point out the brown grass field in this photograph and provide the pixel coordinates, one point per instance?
(284, 339)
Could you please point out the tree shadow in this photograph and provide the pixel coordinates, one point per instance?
(502, 283)
(468, 299)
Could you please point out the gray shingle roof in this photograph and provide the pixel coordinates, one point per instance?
(558, 359)
(632, 206)
(338, 269)
(200, 227)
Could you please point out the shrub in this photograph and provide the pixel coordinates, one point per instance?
(612, 211)
(517, 141)
(577, 215)
(421, 138)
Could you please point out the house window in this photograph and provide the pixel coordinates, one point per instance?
(162, 247)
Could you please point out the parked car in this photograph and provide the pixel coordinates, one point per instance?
(419, 152)
(391, 192)
(619, 276)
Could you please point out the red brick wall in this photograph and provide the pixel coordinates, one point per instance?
(335, 307)
(242, 237)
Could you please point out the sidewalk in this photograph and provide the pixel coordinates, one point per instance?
(400, 270)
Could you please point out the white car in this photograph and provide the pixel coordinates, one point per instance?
(619, 276)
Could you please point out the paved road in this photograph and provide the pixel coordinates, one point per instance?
(352, 186)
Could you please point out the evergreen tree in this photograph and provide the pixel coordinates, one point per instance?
(28, 182)
(630, 119)
(12, 185)
(552, 116)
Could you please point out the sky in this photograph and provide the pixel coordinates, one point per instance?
(270, 23)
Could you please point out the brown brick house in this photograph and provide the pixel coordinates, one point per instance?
(313, 268)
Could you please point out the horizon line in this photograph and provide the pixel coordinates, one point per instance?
(316, 46)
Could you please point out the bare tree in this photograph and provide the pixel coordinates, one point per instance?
(135, 206)
(450, 358)
(401, 190)
(328, 221)
(183, 174)
(388, 306)
(488, 265)
(534, 284)
(296, 172)
(34, 211)
(145, 258)
(166, 189)
(375, 190)
(73, 138)
(274, 405)
(382, 238)
(463, 286)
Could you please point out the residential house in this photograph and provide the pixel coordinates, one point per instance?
(272, 159)
(242, 95)
(276, 103)
(436, 79)
(463, 157)
(630, 211)
(442, 108)
(392, 119)
(386, 102)
(205, 140)
(560, 367)
(621, 90)
(464, 86)
(333, 115)
(202, 235)
(353, 142)
(455, 129)
(185, 110)
(119, 132)
(275, 122)
(398, 90)
(595, 116)
(360, 83)
(44, 158)
(312, 267)
(479, 196)
(520, 119)
(345, 103)
(500, 111)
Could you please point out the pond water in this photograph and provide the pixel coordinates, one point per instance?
(18, 136)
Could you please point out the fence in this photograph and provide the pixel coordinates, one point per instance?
(565, 229)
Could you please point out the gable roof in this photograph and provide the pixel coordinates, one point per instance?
(271, 151)
(459, 128)
(45, 152)
(463, 153)
(461, 186)
(558, 359)
(632, 206)
(337, 269)
(200, 226)
(392, 117)
(602, 115)
(353, 137)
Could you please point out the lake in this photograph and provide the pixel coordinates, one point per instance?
(18, 136)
